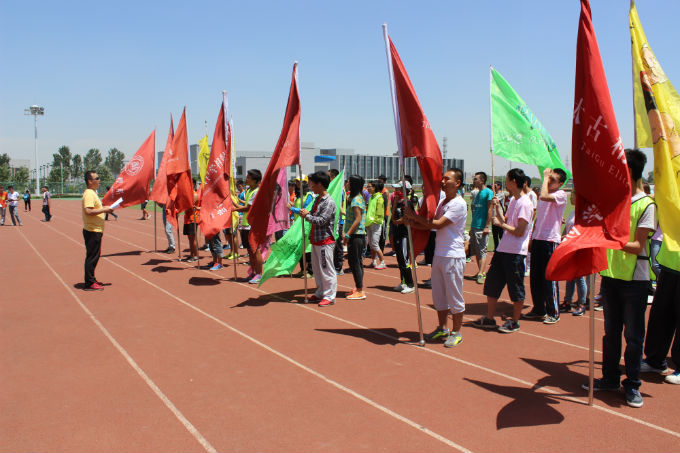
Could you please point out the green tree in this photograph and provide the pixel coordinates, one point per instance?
(114, 160)
(77, 166)
(21, 176)
(4, 167)
(105, 176)
(61, 162)
(93, 159)
(650, 177)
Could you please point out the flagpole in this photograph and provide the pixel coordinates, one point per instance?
(304, 244)
(632, 62)
(493, 172)
(591, 355)
(197, 235)
(179, 249)
(234, 228)
(395, 113)
(155, 243)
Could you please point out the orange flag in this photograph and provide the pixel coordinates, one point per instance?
(132, 184)
(178, 170)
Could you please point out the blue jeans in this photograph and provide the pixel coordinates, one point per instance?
(654, 247)
(168, 230)
(624, 306)
(580, 285)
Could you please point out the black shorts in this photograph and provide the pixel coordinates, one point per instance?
(189, 229)
(144, 205)
(506, 269)
(245, 234)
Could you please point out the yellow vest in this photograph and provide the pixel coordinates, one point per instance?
(622, 264)
(668, 259)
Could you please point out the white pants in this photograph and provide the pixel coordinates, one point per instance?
(324, 271)
(447, 284)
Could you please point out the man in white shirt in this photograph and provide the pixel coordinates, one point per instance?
(545, 239)
(13, 202)
(507, 264)
(448, 263)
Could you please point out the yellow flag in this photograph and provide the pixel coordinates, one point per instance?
(657, 112)
(203, 157)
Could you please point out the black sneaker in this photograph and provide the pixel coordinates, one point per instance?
(532, 315)
(510, 326)
(565, 307)
(485, 323)
(601, 384)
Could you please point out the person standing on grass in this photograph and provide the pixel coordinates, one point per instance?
(479, 227)
(507, 263)
(13, 201)
(624, 292)
(46, 206)
(544, 240)
(355, 235)
(93, 228)
(27, 201)
(375, 217)
(448, 264)
(321, 217)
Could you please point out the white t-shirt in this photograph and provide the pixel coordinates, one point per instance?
(646, 220)
(449, 241)
(549, 218)
(12, 198)
(518, 209)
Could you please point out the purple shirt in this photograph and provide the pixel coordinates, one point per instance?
(521, 208)
(549, 218)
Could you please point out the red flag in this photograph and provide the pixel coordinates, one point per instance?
(132, 184)
(216, 203)
(286, 153)
(159, 192)
(180, 185)
(601, 180)
(416, 140)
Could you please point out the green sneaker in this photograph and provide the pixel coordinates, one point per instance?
(437, 334)
(480, 278)
(454, 340)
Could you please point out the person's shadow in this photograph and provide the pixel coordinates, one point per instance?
(380, 336)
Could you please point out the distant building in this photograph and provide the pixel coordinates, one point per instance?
(18, 163)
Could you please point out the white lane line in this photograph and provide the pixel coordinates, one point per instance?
(281, 355)
(450, 357)
(147, 380)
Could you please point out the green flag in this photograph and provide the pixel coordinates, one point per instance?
(517, 134)
(287, 251)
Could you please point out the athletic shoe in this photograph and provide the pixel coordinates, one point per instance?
(527, 273)
(380, 266)
(485, 323)
(391, 253)
(645, 367)
(551, 320)
(579, 311)
(427, 283)
(313, 299)
(437, 334)
(356, 295)
(169, 250)
(216, 267)
(599, 306)
(601, 384)
(204, 247)
(480, 278)
(468, 259)
(633, 398)
(532, 315)
(673, 378)
(94, 287)
(326, 303)
(231, 256)
(510, 326)
(400, 287)
(408, 289)
(103, 284)
(209, 265)
(565, 307)
(454, 340)
(255, 280)
(598, 297)
(340, 272)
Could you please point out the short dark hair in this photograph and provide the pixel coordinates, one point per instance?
(458, 173)
(383, 179)
(527, 181)
(333, 172)
(255, 175)
(88, 175)
(561, 173)
(409, 179)
(636, 162)
(378, 184)
(239, 181)
(10, 187)
(517, 175)
(482, 175)
(320, 177)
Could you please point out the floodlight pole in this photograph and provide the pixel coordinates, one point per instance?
(35, 111)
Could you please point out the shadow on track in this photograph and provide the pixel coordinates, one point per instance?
(204, 281)
(380, 336)
(163, 269)
(130, 253)
(156, 262)
(261, 301)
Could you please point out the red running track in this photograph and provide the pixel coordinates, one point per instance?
(172, 358)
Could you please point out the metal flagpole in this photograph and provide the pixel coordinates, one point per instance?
(234, 228)
(179, 248)
(304, 242)
(591, 355)
(197, 232)
(493, 173)
(397, 129)
(632, 61)
(155, 243)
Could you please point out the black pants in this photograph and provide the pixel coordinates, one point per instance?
(93, 248)
(46, 211)
(27, 204)
(338, 254)
(308, 258)
(401, 247)
(497, 236)
(355, 249)
(664, 321)
(383, 236)
(544, 293)
(429, 248)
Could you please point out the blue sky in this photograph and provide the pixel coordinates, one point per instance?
(108, 73)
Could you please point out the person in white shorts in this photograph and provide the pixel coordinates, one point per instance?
(448, 263)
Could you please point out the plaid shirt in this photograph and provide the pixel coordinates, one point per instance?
(321, 216)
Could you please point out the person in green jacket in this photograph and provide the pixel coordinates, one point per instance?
(375, 216)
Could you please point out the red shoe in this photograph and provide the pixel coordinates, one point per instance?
(94, 287)
(313, 298)
(326, 303)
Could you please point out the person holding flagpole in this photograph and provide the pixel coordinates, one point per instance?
(93, 229)
(253, 178)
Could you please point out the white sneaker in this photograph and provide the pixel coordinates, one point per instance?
(408, 289)
(673, 378)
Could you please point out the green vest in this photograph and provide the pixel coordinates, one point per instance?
(622, 264)
(668, 259)
(249, 195)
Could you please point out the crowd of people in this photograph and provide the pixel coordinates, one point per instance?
(526, 225)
